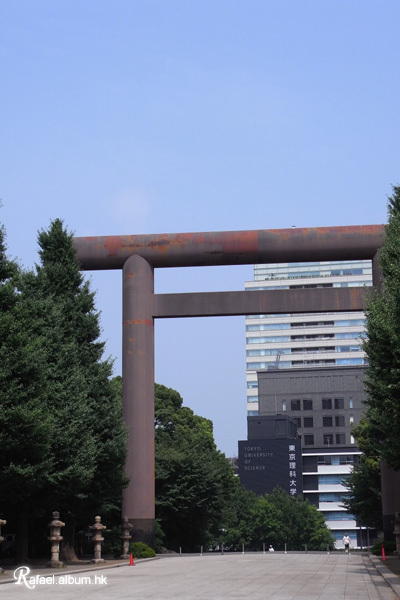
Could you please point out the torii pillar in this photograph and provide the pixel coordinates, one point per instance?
(139, 255)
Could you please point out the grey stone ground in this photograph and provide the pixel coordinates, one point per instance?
(267, 576)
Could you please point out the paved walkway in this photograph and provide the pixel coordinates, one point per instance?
(229, 577)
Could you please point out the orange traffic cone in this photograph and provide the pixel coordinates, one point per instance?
(131, 561)
(383, 553)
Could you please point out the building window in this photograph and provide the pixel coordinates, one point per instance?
(339, 403)
(309, 440)
(328, 439)
(283, 405)
(327, 421)
(307, 405)
(340, 438)
(332, 497)
(332, 479)
(326, 403)
(351, 419)
(297, 420)
(295, 404)
(308, 422)
(339, 421)
(350, 402)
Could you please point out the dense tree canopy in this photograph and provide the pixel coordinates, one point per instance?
(90, 443)
(193, 479)
(275, 519)
(62, 438)
(364, 482)
(382, 346)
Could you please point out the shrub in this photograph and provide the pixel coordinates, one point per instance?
(141, 550)
(388, 545)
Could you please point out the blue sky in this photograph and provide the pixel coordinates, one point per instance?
(156, 116)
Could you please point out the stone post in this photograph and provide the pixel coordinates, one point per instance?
(397, 532)
(2, 522)
(97, 539)
(55, 538)
(125, 537)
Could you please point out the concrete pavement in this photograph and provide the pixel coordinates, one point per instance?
(270, 576)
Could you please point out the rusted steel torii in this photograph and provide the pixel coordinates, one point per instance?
(139, 255)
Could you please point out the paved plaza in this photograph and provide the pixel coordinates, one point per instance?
(270, 576)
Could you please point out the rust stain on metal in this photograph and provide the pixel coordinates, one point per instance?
(138, 322)
(231, 247)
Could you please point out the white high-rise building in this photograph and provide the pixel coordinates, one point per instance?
(303, 340)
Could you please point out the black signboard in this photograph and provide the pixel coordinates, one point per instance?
(265, 464)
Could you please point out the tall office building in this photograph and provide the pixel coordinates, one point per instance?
(277, 345)
(303, 340)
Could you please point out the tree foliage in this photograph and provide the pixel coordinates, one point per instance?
(382, 346)
(364, 482)
(275, 519)
(62, 437)
(193, 479)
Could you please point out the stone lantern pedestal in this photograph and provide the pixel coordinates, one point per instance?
(55, 538)
(125, 537)
(2, 522)
(97, 539)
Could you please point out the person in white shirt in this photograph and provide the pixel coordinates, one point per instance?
(270, 549)
(346, 542)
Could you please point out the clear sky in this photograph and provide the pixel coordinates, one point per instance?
(167, 116)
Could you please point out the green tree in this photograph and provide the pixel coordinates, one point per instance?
(89, 447)
(382, 345)
(275, 519)
(193, 479)
(62, 437)
(26, 426)
(283, 519)
(364, 482)
(236, 523)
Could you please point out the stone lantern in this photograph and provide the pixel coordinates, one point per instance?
(125, 537)
(97, 539)
(55, 538)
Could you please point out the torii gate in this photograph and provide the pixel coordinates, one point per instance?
(139, 255)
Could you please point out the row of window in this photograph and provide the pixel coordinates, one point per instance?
(301, 338)
(335, 284)
(332, 479)
(329, 439)
(337, 460)
(307, 404)
(342, 323)
(328, 361)
(338, 516)
(255, 366)
(302, 350)
(316, 268)
(308, 422)
(332, 496)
